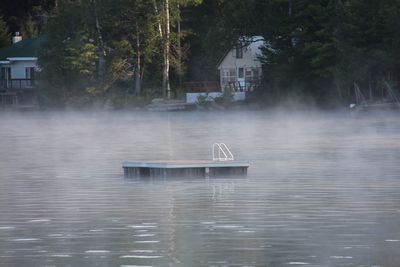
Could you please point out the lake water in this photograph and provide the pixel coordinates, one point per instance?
(323, 189)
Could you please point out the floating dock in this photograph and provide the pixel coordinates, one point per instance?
(184, 168)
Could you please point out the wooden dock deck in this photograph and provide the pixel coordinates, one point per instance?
(184, 168)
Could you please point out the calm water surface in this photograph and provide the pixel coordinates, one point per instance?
(322, 190)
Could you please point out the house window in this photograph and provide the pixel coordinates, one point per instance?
(229, 75)
(5, 73)
(30, 73)
(248, 74)
(239, 50)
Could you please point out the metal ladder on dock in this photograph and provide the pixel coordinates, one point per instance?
(221, 152)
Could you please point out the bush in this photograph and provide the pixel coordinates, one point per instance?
(203, 99)
(226, 98)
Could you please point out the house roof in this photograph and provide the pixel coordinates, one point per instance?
(255, 42)
(255, 45)
(24, 48)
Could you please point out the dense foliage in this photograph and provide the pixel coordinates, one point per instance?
(99, 49)
(108, 49)
(28, 17)
(315, 48)
(4, 33)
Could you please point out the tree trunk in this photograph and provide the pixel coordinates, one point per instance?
(138, 55)
(164, 35)
(102, 52)
(158, 18)
(166, 86)
(179, 67)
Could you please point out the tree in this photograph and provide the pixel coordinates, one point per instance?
(163, 26)
(27, 17)
(131, 26)
(168, 12)
(4, 33)
(106, 47)
(69, 57)
(101, 48)
(369, 41)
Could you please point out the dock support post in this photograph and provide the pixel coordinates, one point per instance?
(207, 172)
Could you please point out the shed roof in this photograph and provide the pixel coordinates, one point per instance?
(24, 48)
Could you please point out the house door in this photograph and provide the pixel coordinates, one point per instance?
(241, 78)
(5, 77)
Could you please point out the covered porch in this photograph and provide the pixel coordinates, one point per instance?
(240, 79)
(17, 84)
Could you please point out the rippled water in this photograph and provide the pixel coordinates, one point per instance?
(323, 189)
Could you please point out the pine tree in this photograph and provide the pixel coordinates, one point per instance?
(4, 33)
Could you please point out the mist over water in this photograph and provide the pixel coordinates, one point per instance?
(323, 189)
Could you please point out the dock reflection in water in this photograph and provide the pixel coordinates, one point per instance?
(322, 190)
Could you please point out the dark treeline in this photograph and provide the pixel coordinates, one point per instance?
(117, 49)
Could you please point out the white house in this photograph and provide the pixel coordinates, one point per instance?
(240, 71)
(240, 68)
(18, 63)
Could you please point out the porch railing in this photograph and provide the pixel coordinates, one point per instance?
(201, 86)
(247, 86)
(17, 84)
